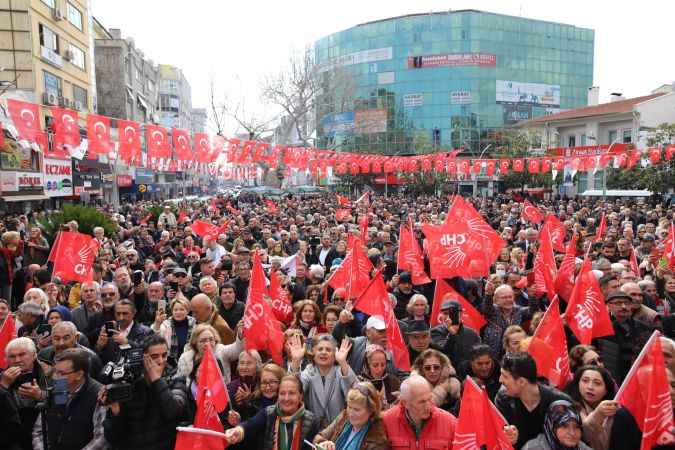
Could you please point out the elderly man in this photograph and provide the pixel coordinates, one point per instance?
(22, 399)
(148, 310)
(419, 339)
(64, 337)
(85, 315)
(640, 312)
(415, 419)
(500, 313)
(204, 311)
(167, 218)
(214, 250)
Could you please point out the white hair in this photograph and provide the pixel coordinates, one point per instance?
(206, 279)
(70, 326)
(44, 299)
(411, 384)
(502, 287)
(22, 342)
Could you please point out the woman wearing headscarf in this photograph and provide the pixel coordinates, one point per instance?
(359, 426)
(562, 429)
(286, 425)
(375, 371)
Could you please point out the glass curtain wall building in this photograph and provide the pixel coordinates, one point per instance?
(445, 80)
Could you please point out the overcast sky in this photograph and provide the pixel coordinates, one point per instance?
(240, 41)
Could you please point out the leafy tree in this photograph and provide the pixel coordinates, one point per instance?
(86, 217)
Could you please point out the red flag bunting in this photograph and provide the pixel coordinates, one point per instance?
(157, 142)
(66, 130)
(129, 142)
(98, 136)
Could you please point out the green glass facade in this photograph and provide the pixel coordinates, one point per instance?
(446, 80)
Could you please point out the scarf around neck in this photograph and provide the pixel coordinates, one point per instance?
(281, 439)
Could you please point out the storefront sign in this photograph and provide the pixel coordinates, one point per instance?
(125, 180)
(413, 100)
(460, 97)
(29, 180)
(9, 182)
(453, 60)
(58, 177)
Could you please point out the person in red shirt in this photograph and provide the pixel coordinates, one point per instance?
(416, 422)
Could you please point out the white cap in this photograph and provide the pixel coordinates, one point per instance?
(376, 322)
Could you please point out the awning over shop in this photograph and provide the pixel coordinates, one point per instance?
(25, 198)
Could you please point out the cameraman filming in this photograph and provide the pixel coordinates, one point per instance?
(70, 419)
(149, 418)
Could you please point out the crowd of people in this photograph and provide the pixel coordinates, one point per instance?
(114, 362)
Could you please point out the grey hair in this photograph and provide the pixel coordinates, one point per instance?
(70, 326)
(203, 280)
(412, 301)
(31, 308)
(97, 287)
(502, 287)
(43, 295)
(252, 354)
(409, 385)
(644, 284)
(22, 342)
(325, 338)
(113, 285)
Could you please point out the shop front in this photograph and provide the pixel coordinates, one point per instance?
(58, 181)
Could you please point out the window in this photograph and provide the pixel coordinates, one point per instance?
(74, 16)
(50, 3)
(627, 135)
(583, 139)
(48, 38)
(78, 56)
(151, 85)
(52, 84)
(611, 137)
(572, 141)
(80, 95)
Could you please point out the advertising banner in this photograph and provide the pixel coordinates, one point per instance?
(58, 177)
(516, 113)
(371, 121)
(460, 97)
(527, 93)
(413, 100)
(364, 56)
(338, 123)
(452, 60)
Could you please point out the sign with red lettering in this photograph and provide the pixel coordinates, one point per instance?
(28, 180)
(58, 177)
(125, 180)
(452, 60)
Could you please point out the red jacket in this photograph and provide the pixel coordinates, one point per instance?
(437, 433)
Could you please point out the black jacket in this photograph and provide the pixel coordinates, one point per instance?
(620, 350)
(263, 422)
(149, 419)
(458, 347)
(136, 336)
(73, 428)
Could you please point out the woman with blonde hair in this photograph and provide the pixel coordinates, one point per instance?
(436, 368)
(12, 248)
(204, 335)
(359, 426)
(178, 328)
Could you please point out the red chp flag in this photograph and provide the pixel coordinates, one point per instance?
(342, 214)
(465, 245)
(55, 246)
(375, 302)
(281, 303)
(129, 149)
(7, 333)
(564, 280)
(645, 392)
(531, 213)
(410, 256)
(669, 247)
(471, 317)
(557, 232)
(26, 118)
(74, 257)
(634, 266)
(342, 201)
(363, 226)
(586, 313)
(98, 136)
(548, 347)
(479, 425)
(66, 129)
(354, 272)
(261, 330)
(601, 228)
(544, 265)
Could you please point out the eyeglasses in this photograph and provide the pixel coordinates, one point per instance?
(269, 383)
(59, 374)
(206, 340)
(107, 294)
(430, 367)
(180, 275)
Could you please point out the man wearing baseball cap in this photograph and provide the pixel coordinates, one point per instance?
(375, 333)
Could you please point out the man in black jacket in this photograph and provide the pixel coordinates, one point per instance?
(70, 420)
(128, 333)
(158, 403)
(460, 339)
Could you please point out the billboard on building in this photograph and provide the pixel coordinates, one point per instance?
(413, 100)
(536, 94)
(338, 123)
(516, 113)
(460, 97)
(364, 56)
(452, 60)
(370, 121)
(58, 177)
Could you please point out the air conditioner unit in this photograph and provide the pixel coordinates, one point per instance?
(56, 13)
(77, 105)
(49, 99)
(68, 55)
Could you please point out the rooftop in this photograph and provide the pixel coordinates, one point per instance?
(616, 107)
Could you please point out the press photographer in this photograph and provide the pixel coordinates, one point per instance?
(69, 419)
(156, 405)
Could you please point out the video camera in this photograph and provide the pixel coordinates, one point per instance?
(120, 376)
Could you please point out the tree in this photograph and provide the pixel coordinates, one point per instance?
(218, 108)
(86, 217)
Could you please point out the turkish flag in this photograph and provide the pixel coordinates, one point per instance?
(531, 213)
(452, 167)
(670, 152)
(66, 129)
(261, 329)
(546, 165)
(26, 118)
(557, 232)
(465, 245)
(601, 228)
(281, 303)
(157, 142)
(465, 167)
(232, 147)
(559, 164)
(490, 167)
(98, 136)
(342, 214)
(7, 333)
(439, 165)
(259, 151)
(74, 257)
(129, 133)
(548, 347)
(533, 165)
(480, 424)
(564, 281)
(341, 200)
(504, 166)
(518, 165)
(654, 155)
(375, 301)
(586, 313)
(544, 265)
(410, 256)
(181, 144)
(354, 272)
(477, 163)
(471, 317)
(271, 207)
(202, 148)
(645, 392)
